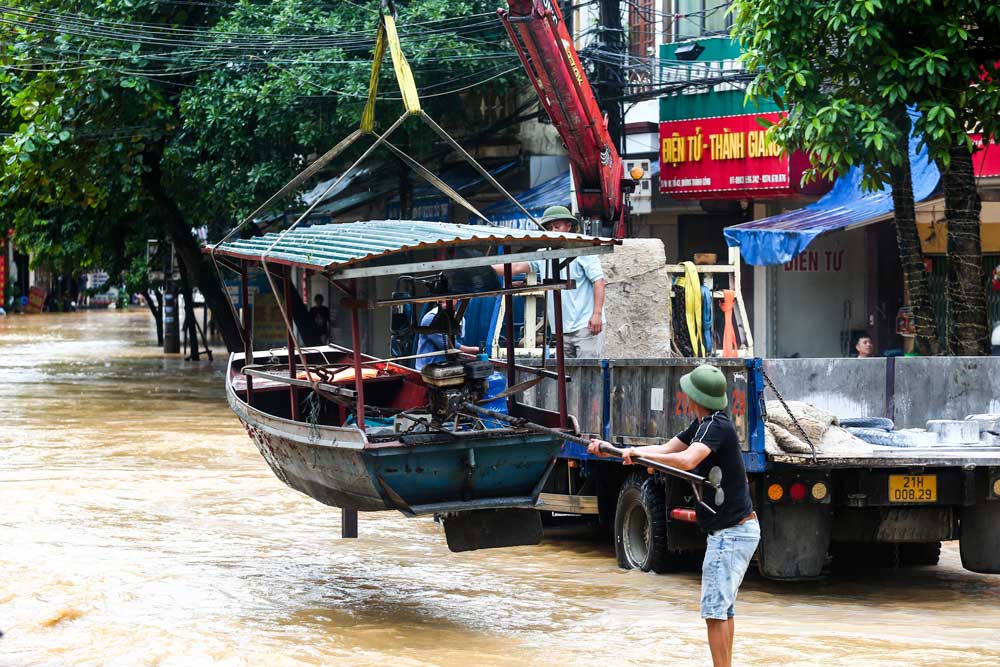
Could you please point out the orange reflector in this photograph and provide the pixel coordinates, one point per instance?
(775, 492)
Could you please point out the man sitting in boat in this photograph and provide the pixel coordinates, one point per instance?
(436, 342)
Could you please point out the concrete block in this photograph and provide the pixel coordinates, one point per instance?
(637, 302)
(987, 422)
(955, 432)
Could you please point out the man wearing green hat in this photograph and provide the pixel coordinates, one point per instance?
(733, 530)
(583, 306)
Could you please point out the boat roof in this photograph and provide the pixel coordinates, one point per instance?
(388, 247)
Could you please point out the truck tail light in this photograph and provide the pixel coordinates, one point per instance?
(819, 491)
(775, 492)
(797, 491)
(996, 487)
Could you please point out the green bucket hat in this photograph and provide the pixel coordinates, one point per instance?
(706, 386)
(553, 213)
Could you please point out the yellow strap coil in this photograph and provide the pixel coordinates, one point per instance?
(692, 303)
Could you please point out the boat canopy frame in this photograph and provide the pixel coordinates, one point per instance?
(346, 252)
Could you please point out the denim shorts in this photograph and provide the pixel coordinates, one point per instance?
(726, 560)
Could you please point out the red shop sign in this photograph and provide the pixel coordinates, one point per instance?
(986, 160)
(729, 157)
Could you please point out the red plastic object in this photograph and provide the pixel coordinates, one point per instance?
(797, 491)
(683, 514)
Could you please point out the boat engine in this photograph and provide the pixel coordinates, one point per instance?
(452, 383)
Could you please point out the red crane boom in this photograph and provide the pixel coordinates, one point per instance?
(539, 34)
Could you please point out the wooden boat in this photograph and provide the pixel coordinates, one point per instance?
(368, 434)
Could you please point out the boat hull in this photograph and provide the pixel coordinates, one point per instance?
(417, 475)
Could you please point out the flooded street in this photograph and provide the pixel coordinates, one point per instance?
(140, 526)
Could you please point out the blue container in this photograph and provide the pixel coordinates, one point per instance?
(496, 384)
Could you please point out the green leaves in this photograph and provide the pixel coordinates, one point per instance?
(848, 66)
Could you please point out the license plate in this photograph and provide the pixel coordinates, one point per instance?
(912, 488)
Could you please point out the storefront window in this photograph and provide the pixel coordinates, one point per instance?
(696, 18)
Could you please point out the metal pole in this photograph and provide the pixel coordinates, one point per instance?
(560, 349)
(292, 391)
(171, 319)
(348, 523)
(247, 325)
(359, 385)
(508, 316)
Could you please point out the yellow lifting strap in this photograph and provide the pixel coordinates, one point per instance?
(404, 77)
(692, 303)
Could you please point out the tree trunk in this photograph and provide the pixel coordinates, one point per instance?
(911, 256)
(157, 310)
(968, 333)
(196, 266)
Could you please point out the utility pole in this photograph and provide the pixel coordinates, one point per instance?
(171, 312)
(610, 77)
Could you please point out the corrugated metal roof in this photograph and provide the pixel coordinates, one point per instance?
(334, 247)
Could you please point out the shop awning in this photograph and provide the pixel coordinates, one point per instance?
(779, 238)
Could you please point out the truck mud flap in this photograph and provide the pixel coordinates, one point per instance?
(489, 529)
(794, 540)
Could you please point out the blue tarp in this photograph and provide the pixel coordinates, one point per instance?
(430, 204)
(553, 192)
(779, 238)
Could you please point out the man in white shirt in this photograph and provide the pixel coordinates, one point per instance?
(583, 306)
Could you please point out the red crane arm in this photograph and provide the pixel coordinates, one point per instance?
(538, 32)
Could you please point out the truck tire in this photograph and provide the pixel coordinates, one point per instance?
(881, 423)
(980, 540)
(641, 525)
(874, 436)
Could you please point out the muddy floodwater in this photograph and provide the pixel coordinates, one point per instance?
(139, 526)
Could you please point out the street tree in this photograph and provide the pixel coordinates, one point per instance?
(848, 72)
(192, 113)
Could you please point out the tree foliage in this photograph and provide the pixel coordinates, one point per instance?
(847, 70)
(130, 119)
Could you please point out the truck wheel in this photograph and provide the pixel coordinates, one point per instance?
(641, 525)
(980, 540)
(875, 436)
(880, 423)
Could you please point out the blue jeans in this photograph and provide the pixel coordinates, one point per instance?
(726, 560)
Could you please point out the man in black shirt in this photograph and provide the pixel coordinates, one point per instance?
(320, 316)
(733, 531)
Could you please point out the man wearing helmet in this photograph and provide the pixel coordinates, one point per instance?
(733, 531)
(583, 306)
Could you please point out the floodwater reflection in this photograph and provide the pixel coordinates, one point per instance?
(141, 527)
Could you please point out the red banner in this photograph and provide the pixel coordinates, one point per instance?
(728, 157)
(986, 160)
